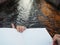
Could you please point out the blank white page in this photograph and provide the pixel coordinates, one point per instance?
(31, 36)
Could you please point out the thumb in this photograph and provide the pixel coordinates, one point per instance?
(13, 26)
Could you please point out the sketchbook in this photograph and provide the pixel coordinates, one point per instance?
(31, 36)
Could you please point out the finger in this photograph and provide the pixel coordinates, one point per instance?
(56, 37)
(18, 28)
(23, 28)
(13, 26)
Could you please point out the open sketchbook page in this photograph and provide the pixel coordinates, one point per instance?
(31, 36)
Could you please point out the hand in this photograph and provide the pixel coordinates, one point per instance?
(19, 28)
(56, 39)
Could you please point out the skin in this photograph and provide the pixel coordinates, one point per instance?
(19, 28)
(56, 39)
